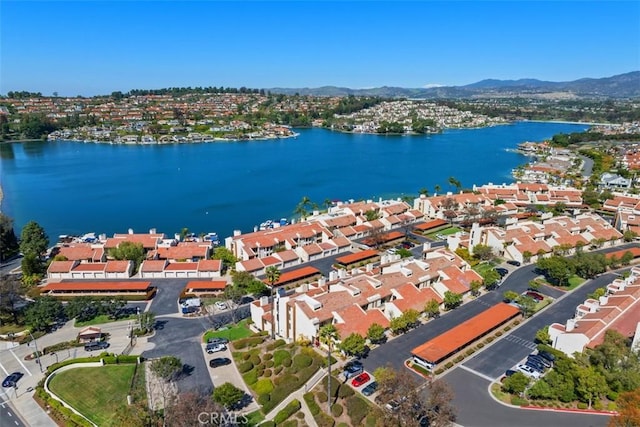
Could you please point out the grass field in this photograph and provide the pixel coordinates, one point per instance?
(574, 282)
(483, 267)
(239, 330)
(95, 392)
(445, 232)
(103, 318)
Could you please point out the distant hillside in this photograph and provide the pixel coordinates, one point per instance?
(620, 86)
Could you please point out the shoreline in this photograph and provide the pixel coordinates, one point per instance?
(208, 141)
(566, 122)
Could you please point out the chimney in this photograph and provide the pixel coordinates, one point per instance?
(333, 275)
(236, 233)
(152, 231)
(102, 237)
(342, 273)
(571, 324)
(369, 267)
(604, 300)
(321, 282)
(131, 231)
(176, 237)
(255, 228)
(264, 301)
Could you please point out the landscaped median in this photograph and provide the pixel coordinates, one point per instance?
(89, 391)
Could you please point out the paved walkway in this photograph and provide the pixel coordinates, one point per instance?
(299, 394)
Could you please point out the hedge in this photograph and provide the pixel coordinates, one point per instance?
(321, 395)
(302, 361)
(518, 401)
(245, 367)
(268, 424)
(311, 404)
(345, 391)
(114, 360)
(263, 386)
(459, 359)
(277, 343)
(250, 377)
(269, 364)
(324, 420)
(291, 408)
(255, 359)
(267, 373)
(582, 405)
(448, 365)
(267, 356)
(250, 341)
(279, 356)
(264, 398)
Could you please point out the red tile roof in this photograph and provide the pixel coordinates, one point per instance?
(206, 285)
(209, 265)
(358, 256)
(181, 266)
(297, 274)
(465, 333)
(149, 266)
(97, 286)
(431, 224)
(60, 266)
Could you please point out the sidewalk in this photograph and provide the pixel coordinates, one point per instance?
(299, 394)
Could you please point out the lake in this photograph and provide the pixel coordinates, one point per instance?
(75, 187)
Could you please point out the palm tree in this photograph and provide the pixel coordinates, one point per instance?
(437, 188)
(327, 203)
(454, 182)
(423, 191)
(301, 208)
(327, 335)
(273, 274)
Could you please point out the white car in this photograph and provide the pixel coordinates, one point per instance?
(221, 305)
(528, 371)
(214, 348)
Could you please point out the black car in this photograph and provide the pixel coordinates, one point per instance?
(96, 345)
(535, 365)
(12, 379)
(502, 271)
(219, 361)
(550, 357)
(540, 360)
(509, 372)
(370, 389)
(512, 262)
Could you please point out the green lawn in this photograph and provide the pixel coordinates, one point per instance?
(254, 418)
(445, 232)
(574, 282)
(239, 330)
(542, 304)
(483, 267)
(103, 318)
(96, 393)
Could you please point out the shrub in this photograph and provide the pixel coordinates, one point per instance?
(480, 345)
(269, 364)
(267, 373)
(597, 405)
(277, 370)
(489, 339)
(518, 401)
(335, 384)
(248, 342)
(245, 367)
(371, 421)
(448, 365)
(300, 414)
(439, 371)
(345, 391)
(287, 411)
(507, 328)
(255, 359)
(246, 356)
(612, 395)
(516, 323)
(357, 409)
(459, 359)
(268, 424)
(279, 356)
(611, 406)
(582, 405)
(267, 356)
(302, 361)
(324, 420)
(470, 352)
(499, 334)
(311, 404)
(286, 362)
(321, 395)
(263, 386)
(277, 343)
(336, 410)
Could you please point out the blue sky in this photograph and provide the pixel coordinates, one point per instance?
(91, 47)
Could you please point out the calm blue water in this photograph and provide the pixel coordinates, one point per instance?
(74, 188)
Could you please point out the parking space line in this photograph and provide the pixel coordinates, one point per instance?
(5, 371)
(20, 362)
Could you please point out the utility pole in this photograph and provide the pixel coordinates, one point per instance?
(329, 379)
(37, 352)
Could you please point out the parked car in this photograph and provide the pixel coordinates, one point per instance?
(509, 372)
(219, 361)
(370, 389)
(221, 305)
(541, 360)
(361, 379)
(536, 296)
(352, 369)
(535, 365)
(528, 371)
(12, 379)
(96, 345)
(550, 357)
(512, 262)
(214, 348)
(502, 271)
(217, 340)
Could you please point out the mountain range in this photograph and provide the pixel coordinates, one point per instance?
(619, 86)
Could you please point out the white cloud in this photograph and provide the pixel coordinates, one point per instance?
(430, 85)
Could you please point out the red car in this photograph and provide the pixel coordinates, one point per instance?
(360, 379)
(536, 296)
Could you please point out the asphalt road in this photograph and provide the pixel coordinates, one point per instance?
(587, 166)
(8, 416)
(517, 344)
(476, 408)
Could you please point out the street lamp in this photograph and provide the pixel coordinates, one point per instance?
(37, 352)
(56, 355)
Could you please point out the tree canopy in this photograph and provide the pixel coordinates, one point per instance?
(227, 395)
(8, 240)
(33, 240)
